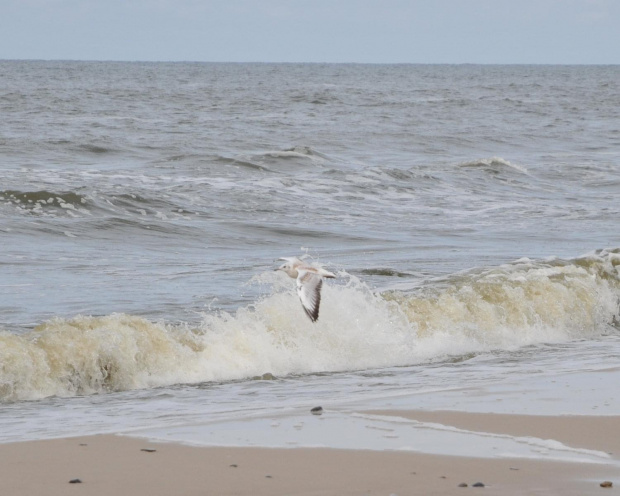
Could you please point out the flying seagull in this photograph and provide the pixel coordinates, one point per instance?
(309, 282)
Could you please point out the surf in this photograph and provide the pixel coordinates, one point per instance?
(526, 302)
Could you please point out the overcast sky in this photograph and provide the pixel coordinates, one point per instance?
(373, 31)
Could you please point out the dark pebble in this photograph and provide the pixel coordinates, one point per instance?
(442, 477)
(463, 484)
(268, 477)
(234, 465)
(478, 484)
(148, 450)
(607, 484)
(317, 410)
(83, 444)
(75, 481)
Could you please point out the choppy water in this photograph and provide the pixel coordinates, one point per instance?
(471, 212)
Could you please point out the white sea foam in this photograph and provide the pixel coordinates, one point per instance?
(504, 307)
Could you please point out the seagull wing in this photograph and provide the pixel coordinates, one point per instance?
(309, 291)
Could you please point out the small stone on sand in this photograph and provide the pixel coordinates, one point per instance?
(478, 484)
(234, 465)
(463, 484)
(75, 481)
(607, 484)
(317, 410)
(148, 450)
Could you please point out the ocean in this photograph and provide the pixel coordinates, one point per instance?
(471, 214)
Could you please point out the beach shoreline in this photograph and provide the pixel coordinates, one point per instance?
(597, 433)
(109, 463)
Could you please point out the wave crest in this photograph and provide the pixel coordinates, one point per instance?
(504, 307)
(38, 201)
(494, 165)
(522, 303)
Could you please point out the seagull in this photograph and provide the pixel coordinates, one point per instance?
(309, 282)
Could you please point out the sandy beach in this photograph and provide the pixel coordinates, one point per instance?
(108, 464)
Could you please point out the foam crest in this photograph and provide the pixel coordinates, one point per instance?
(494, 164)
(521, 303)
(86, 355)
(45, 202)
(503, 308)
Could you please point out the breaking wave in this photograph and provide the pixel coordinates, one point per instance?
(506, 307)
(494, 165)
(38, 201)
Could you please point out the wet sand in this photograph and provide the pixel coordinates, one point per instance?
(601, 433)
(109, 464)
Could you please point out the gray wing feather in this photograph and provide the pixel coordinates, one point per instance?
(309, 291)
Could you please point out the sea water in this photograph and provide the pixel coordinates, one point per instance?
(471, 213)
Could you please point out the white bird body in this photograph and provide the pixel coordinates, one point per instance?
(309, 283)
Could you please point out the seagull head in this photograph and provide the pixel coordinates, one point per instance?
(289, 267)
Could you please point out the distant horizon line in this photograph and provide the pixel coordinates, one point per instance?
(128, 61)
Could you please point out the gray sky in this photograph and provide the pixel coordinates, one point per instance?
(374, 31)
